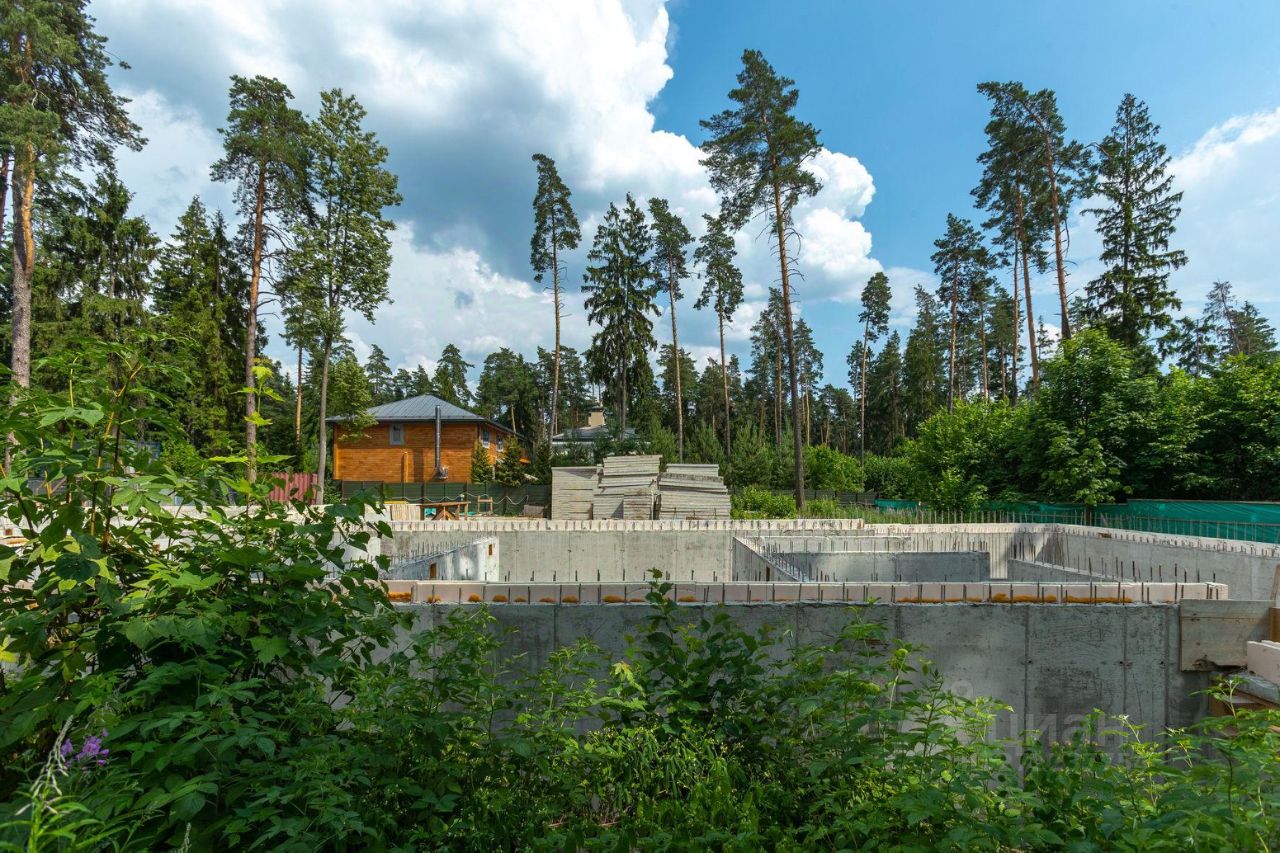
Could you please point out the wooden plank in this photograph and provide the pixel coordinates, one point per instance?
(1214, 634)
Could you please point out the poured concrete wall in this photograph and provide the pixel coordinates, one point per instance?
(473, 561)
(1031, 571)
(1052, 664)
(541, 551)
(1248, 569)
(868, 566)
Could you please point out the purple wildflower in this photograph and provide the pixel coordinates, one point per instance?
(91, 751)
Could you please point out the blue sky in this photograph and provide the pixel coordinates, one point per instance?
(464, 92)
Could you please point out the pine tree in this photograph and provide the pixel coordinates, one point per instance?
(963, 266)
(1064, 165)
(885, 404)
(810, 370)
(1238, 328)
(555, 230)
(1132, 298)
(57, 109)
(344, 248)
(722, 289)
(265, 157)
(923, 361)
(450, 378)
(874, 318)
(757, 157)
(378, 369)
(620, 288)
(670, 263)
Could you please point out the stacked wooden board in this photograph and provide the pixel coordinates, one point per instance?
(572, 491)
(692, 491)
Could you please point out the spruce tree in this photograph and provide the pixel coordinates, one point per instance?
(1132, 298)
(555, 230)
(481, 467)
(757, 157)
(874, 318)
(264, 155)
(343, 253)
(722, 289)
(963, 266)
(450, 378)
(57, 111)
(621, 289)
(378, 369)
(670, 263)
(923, 361)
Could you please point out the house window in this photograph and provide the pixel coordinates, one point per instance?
(501, 443)
(397, 434)
(485, 438)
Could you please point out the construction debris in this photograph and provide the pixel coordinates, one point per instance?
(627, 485)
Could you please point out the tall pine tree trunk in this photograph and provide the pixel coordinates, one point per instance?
(24, 263)
(555, 295)
(1057, 238)
(324, 429)
(1017, 323)
(955, 316)
(5, 162)
(982, 341)
(675, 354)
(724, 381)
(251, 331)
(297, 407)
(1033, 352)
(862, 396)
(793, 376)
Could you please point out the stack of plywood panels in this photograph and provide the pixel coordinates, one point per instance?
(692, 491)
(572, 491)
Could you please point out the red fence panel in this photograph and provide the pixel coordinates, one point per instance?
(296, 487)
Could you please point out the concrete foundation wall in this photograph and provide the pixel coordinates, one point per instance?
(1031, 571)
(473, 561)
(1052, 664)
(871, 566)
(540, 551)
(1248, 569)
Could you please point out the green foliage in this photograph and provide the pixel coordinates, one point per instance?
(759, 502)
(954, 457)
(888, 476)
(481, 467)
(510, 468)
(830, 470)
(215, 680)
(752, 460)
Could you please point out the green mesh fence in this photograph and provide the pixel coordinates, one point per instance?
(486, 498)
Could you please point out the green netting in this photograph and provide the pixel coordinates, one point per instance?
(887, 503)
(506, 500)
(1257, 522)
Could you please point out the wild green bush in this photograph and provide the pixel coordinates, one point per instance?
(888, 476)
(210, 679)
(759, 502)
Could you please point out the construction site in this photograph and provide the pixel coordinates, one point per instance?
(1052, 620)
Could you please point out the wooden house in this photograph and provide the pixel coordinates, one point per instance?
(419, 439)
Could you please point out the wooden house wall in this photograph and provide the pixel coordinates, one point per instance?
(372, 457)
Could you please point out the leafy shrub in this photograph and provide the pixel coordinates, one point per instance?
(758, 502)
(825, 508)
(888, 476)
(827, 469)
(217, 680)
